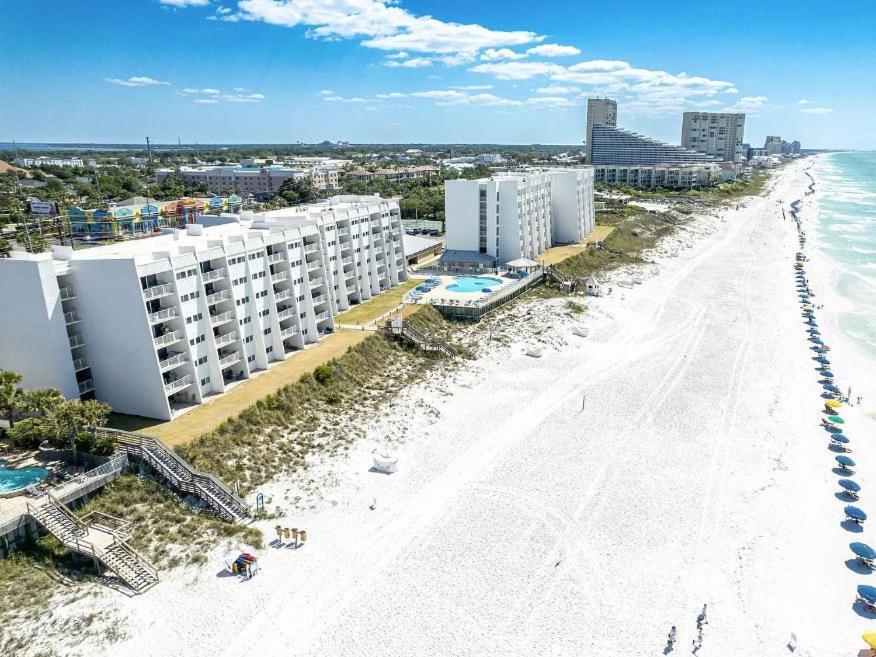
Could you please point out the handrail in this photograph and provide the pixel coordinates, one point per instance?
(136, 555)
(69, 514)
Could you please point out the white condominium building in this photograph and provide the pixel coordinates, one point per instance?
(518, 215)
(49, 161)
(251, 179)
(671, 176)
(719, 134)
(154, 325)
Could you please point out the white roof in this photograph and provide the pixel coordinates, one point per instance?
(522, 262)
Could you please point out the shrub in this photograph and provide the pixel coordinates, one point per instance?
(28, 433)
(322, 374)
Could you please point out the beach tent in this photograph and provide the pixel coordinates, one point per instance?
(855, 514)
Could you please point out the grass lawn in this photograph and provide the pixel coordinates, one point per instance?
(560, 253)
(374, 308)
(206, 417)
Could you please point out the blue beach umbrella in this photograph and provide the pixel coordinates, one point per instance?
(855, 513)
(826, 373)
(816, 340)
(845, 461)
(832, 429)
(849, 486)
(830, 387)
(839, 439)
(863, 550)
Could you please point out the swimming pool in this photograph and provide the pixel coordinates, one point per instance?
(473, 283)
(12, 480)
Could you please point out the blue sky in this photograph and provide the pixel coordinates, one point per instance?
(280, 71)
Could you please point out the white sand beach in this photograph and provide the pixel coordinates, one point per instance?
(519, 523)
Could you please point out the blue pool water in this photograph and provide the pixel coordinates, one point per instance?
(473, 283)
(11, 480)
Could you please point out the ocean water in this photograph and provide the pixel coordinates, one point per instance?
(847, 238)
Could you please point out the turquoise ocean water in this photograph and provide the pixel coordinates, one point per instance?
(847, 231)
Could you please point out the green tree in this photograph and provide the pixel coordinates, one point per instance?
(171, 188)
(69, 420)
(37, 243)
(29, 433)
(298, 190)
(9, 392)
(40, 402)
(5, 248)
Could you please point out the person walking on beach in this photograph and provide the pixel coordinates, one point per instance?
(670, 643)
(701, 619)
(698, 642)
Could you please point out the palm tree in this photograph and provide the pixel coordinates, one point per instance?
(94, 414)
(67, 420)
(9, 391)
(39, 402)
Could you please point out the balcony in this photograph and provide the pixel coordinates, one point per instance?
(68, 292)
(77, 340)
(174, 361)
(157, 291)
(178, 384)
(226, 338)
(221, 318)
(311, 248)
(347, 260)
(86, 386)
(213, 275)
(275, 257)
(321, 317)
(80, 364)
(319, 298)
(71, 317)
(163, 315)
(317, 282)
(311, 266)
(288, 332)
(343, 231)
(282, 295)
(285, 314)
(280, 276)
(230, 359)
(216, 297)
(168, 338)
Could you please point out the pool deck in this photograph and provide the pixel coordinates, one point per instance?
(441, 291)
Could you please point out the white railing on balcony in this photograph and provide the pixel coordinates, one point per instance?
(321, 316)
(169, 338)
(226, 338)
(68, 292)
(71, 317)
(173, 361)
(80, 364)
(86, 386)
(275, 257)
(282, 295)
(287, 332)
(176, 384)
(213, 274)
(316, 282)
(310, 248)
(216, 297)
(230, 359)
(157, 291)
(163, 315)
(285, 314)
(347, 260)
(319, 298)
(313, 265)
(280, 276)
(221, 318)
(346, 246)
(77, 340)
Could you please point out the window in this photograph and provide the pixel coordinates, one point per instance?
(245, 320)
(205, 380)
(267, 331)
(269, 350)
(202, 360)
(250, 359)
(248, 339)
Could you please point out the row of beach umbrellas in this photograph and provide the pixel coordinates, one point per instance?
(833, 423)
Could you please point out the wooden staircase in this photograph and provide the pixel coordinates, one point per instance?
(185, 479)
(404, 330)
(103, 540)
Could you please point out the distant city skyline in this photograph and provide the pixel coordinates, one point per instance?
(418, 71)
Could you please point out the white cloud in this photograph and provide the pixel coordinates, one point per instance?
(550, 101)
(371, 108)
(456, 96)
(331, 97)
(206, 91)
(497, 54)
(817, 110)
(518, 70)
(554, 89)
(205, 101)
(185, 3)
(804, 101)
(136, 81)
(415, 62)
(398, 55)
(749, 104)
(211, 96)
(553, 50)
(394, 94)
(472, 87)
(383, 25)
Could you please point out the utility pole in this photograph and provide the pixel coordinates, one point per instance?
(149, 150)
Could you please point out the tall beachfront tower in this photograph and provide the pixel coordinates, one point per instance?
(719, 134)
(600, 111)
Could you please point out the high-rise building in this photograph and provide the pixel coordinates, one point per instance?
(518, 215)
(719, 134)
(600, 111)
(154, 325)
(621, 147)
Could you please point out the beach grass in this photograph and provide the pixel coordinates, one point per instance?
(370, 310)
